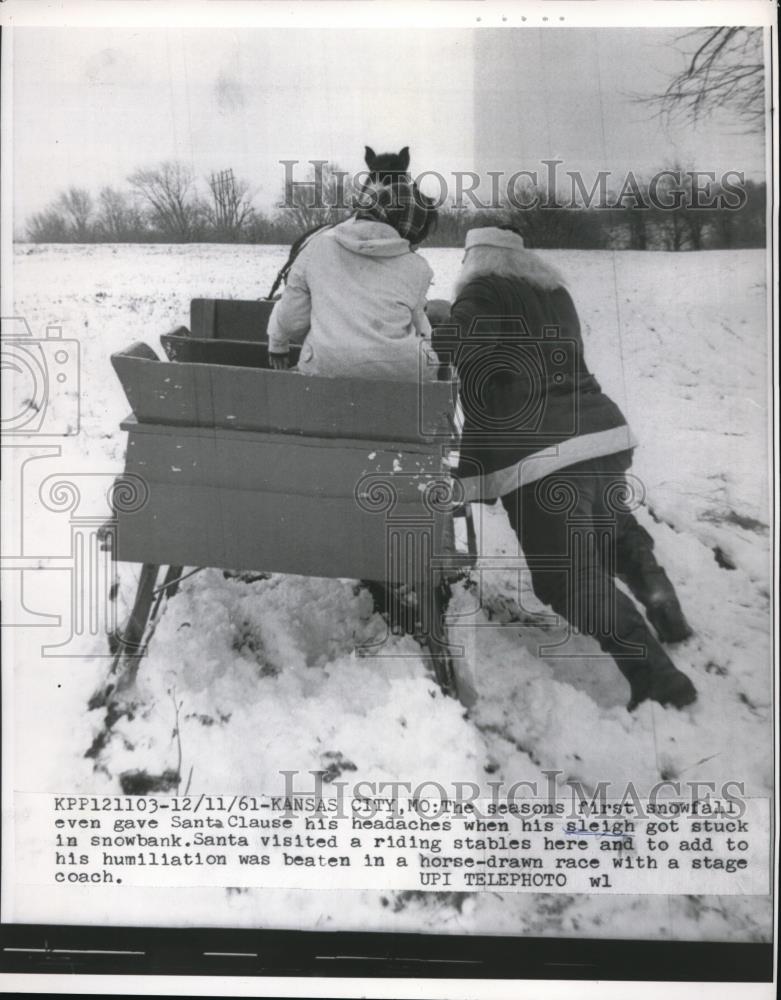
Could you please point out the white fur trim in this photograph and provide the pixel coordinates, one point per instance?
(483, 261)
(543, 463)
(492, 236)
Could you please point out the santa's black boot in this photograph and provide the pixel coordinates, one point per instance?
(667, 687)
(656, 678)
(650, 671)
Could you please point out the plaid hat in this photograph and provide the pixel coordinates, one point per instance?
(400, 204)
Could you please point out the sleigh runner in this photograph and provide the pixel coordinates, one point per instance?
(249, 469)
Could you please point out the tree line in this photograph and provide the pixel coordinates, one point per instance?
(169, 204)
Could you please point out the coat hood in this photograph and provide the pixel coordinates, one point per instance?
(369, 238)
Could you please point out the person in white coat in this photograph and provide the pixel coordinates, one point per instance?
(358, 291)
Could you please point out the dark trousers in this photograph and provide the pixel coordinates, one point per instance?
(578, 533)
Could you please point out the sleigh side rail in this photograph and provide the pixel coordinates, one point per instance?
(216, 392)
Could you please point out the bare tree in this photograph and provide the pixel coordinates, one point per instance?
(76, 206)
(695, 216)
(324, 197)
(544, 223)
(168, 190)
(453, 221)
(678, 220)
(231, 210)
(49, 226)
(119, 219)
(637, 226)
(724, 69)
(673, 230)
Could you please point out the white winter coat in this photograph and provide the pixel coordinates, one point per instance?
(359, 291)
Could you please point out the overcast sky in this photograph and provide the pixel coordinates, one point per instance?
(92, 105)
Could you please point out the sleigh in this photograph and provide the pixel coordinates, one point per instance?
(233, 465)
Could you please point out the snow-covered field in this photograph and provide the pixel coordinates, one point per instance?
(267, 675)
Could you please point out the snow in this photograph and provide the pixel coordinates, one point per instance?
(280, 673)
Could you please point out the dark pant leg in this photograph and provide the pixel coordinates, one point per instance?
(569, 545)
(636, 564)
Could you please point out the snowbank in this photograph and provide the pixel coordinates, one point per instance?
(246, 679)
